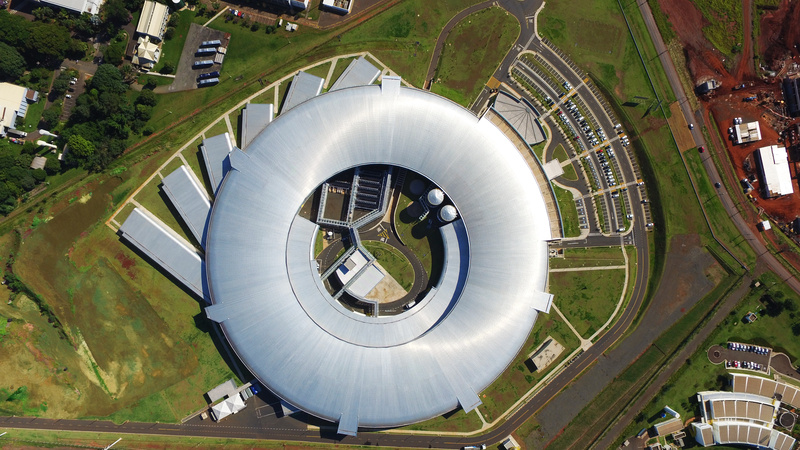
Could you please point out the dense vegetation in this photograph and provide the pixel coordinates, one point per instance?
(103, 118)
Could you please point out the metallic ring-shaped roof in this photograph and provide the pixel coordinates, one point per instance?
(407, 368)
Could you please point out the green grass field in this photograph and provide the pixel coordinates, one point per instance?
(467, 62)
(518, 378)
(569, 212)
(588, 257)
(560, 154)
(587, 298)
(570, 173)
(393, 261)
(33, 116)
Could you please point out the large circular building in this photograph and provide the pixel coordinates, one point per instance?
(376, 371)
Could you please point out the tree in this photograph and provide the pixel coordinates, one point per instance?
(796, 329)
(61, 84)
(48, 44)
(39, 175)
(147, 98)
(174, 20)
(114, 11)
(151, 83)
(52, 166)
(168, 68)
(14, 29)
(113, 54)
(255, 26)
(80, 148)
(12, 64)
(44, 14)
(108, 78)
(169, 33)
(128, 73)
(51, 116)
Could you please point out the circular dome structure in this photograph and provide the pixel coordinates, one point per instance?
(367, 371)
(448, 213)
(435, 197)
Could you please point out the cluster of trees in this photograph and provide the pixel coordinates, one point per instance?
(104, 117)
(38, 44)
(16, 176)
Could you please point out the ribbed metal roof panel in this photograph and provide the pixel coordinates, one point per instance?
(404, 368)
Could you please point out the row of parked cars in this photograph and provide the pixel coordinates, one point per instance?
(748, 348)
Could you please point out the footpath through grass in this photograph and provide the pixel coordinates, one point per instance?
(472, 51)
(587, 298)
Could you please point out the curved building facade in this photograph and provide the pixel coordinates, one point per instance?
(357, 370)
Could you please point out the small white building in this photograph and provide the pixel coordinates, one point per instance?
(147, 53)
(153, 20)
(231, 405)
(14, 104)
(747, 132)
(337, 6)
(79, 6)
(773, 163)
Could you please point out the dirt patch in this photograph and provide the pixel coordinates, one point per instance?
(780, 35)
(680, 129)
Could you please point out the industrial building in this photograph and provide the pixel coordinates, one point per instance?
(79, 6)
(364, 371)
(521, 115)
(304, 86)
(359, 72)
(791, 95)
(747, 132)
(773, 163)
(14, 102)
(146, 54)
(739, 418)
(263, 284)
(337, 6)
(153, 20)
(255, 117)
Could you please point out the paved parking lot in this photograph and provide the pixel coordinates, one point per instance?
(186, 75)
(718, 354)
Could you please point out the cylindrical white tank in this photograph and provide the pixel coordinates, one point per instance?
(435, 197)
(448, 213)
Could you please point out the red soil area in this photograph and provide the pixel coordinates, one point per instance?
(780, 37)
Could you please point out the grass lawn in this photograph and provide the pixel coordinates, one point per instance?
(218, 128)
(467, 62)
(160, 81)
(425, 242)
(560, 154)
(518, 378)
(193, 156)
(318, 241)
(171, 49)
(458, 422)
(569, 212)
(570, 173)
(33, 116)
(393, 261)
(538, 150)
(698, 374)
(320, 70)
(587, 298)
(589, 257)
